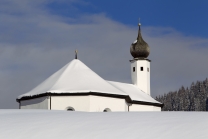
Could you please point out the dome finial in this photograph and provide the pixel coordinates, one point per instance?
(139, 23)
(139, 33)
(76, 54)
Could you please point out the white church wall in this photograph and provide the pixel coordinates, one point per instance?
(99, 104)
(141, 78)
(84, 103)
(139, 107)
(36, 103)
(157, 108)
(79, 103)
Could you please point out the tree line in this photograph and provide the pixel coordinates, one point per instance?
(193, 98)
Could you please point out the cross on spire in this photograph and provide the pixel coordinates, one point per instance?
(76, 54)
(139, 22)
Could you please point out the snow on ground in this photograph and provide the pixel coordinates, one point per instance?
(45, 124)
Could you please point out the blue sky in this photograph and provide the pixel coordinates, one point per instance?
(189, 17)
(38, 37)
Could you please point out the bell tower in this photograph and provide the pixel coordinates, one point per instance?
(140, 65)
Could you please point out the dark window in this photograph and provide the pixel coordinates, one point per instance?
(133, 69)
(148, 69)
(107, 110)
(70, 109)
(141, 68)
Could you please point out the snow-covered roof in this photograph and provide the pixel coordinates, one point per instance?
(76, 77)
(134, 92)
(45, 124)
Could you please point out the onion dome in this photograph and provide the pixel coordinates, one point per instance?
(139, 48)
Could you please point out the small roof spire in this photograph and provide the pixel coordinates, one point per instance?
(76, 54)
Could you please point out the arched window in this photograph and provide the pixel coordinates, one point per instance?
(106, 110)
(70, 109)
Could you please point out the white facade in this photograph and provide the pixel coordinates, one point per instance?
(99, 104)
(78, 103)
(36, 103)
(140, 74)
(139, 107)
(88, 103)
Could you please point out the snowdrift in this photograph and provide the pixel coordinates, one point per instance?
(45, 124)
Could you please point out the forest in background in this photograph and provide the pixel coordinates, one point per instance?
(193, 98)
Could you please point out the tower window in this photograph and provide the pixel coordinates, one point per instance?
(148, 69)
(141, 68)
(133, 69)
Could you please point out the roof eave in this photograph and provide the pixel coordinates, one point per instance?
(126, 97)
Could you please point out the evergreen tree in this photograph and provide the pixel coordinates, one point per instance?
(194, 98)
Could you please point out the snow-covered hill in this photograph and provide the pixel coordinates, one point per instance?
(42, 124)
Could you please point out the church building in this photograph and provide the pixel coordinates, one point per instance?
(75, 87)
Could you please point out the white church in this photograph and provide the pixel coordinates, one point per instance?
(75, 87)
